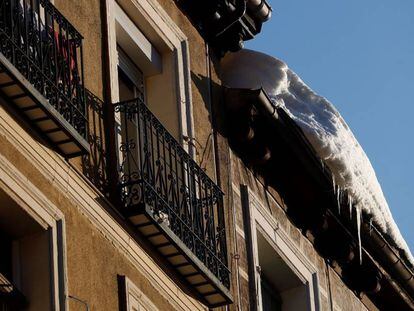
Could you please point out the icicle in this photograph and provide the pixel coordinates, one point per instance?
(337, 190)
(350, 205)
(324, 128)
(358, 219)
(322, 164)
(338, 199)
(370, 226)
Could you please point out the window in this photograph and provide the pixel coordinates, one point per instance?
(149, 52)
(32, 245)
(284, 278)
(130, 87)
(271, 300)
(149, 64)
(26, 272)
(10, 297)
(281, 289)
(131, 298)
(130, 78)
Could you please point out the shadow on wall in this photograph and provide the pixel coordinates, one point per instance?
(95, 167)
(227, 126)
(94, 163)
(212, 95)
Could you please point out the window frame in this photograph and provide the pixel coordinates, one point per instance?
(132, 71)
(132, 298)
(30, 199)
(159, 26)
(263, 222)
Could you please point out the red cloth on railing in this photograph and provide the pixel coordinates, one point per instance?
(67, 49)
(62, 45)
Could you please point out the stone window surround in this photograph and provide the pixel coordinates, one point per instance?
(155, 22)
(48, 216)
(134, 298)
(264, 222)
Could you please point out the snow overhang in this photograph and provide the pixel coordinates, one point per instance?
(267, 139)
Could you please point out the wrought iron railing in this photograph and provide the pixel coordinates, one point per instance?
(156, 171)
(94, 163)
(47, 50)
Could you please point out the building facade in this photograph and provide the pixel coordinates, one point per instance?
(131, 178)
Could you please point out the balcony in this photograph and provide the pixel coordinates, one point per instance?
(41, 72)
(172, 202)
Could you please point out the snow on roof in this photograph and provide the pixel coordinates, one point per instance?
(325, 129)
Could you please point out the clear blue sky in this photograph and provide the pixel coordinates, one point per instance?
(359, 55)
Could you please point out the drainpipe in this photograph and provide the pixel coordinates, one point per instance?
(216, 165)
(80, 301)
(253, 294)
(387, 255)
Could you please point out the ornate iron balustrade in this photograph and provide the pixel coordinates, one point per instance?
(94, 162)
(156, 172)
(47, 50)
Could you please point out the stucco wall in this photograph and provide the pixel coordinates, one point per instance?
(93, 261)
(85, 16)
(200, 87)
